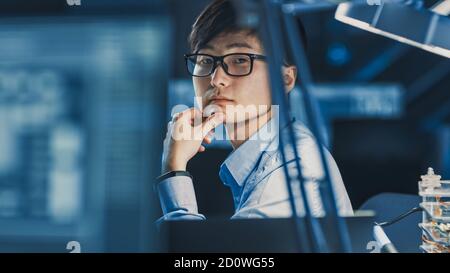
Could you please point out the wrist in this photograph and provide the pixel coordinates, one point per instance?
(173, 165)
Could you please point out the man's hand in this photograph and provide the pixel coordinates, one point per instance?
(185, 134)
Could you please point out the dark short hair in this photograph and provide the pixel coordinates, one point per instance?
(220, 17)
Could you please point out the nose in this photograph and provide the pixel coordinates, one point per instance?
(219, 77)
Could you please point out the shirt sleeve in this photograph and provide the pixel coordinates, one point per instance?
(177, 198)
(313, 171)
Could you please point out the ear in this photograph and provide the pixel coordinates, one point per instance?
(289, 77)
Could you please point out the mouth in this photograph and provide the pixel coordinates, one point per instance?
(220, 100)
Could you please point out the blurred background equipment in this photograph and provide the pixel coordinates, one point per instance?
(397, 214)
(436, 213)
(81, 108)
(404, 21)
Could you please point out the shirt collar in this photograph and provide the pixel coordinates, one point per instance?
(241, 162)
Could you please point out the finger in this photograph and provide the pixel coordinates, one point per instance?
(175, 116)
(196, 117)
(210, 110)
(210, 134)
(207, 140)
(189, 114)
(169, 128)
(201, 149)
(184, 119)
(212, 122)
(197, 120)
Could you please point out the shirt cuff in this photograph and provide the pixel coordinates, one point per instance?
(177, 193)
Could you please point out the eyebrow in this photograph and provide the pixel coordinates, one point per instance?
(239, 45)
(232, 45)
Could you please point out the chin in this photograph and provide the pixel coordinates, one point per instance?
(236, 118)
(212, 108)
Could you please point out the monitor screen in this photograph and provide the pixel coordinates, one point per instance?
(82, 104)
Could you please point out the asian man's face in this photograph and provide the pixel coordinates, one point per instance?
(231, 94)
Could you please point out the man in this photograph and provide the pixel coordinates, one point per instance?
(230, 76)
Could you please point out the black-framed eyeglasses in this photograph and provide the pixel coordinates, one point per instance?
(234, 64)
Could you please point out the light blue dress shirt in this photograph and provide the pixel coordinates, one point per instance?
(254, 172)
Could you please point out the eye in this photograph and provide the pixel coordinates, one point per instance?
(205, 61)
(240, 60)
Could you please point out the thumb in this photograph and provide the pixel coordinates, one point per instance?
(211, 123)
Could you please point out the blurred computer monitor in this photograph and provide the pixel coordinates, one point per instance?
(82, 104)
